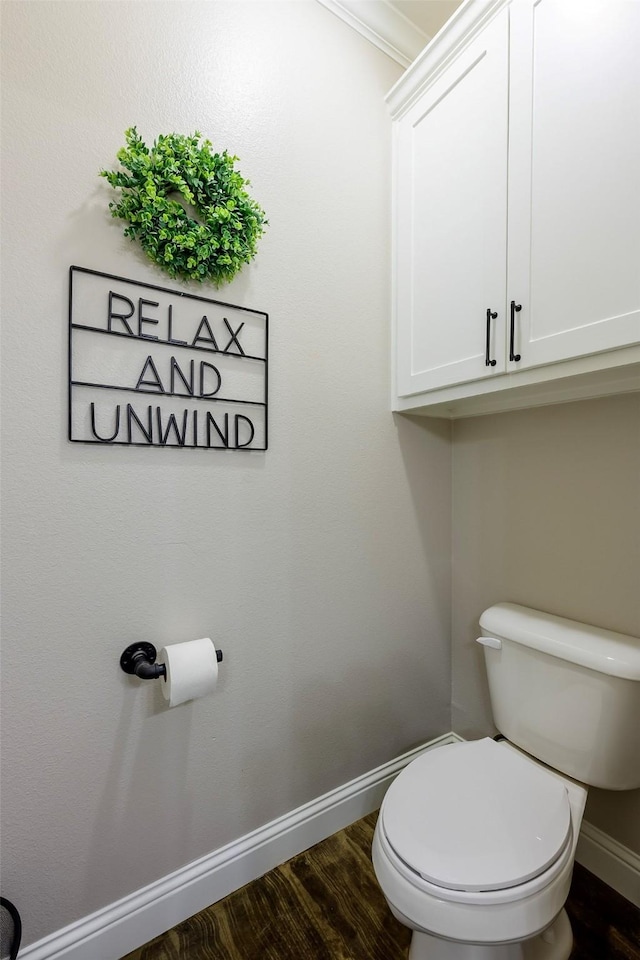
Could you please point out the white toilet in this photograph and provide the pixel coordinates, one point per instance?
(475, 842)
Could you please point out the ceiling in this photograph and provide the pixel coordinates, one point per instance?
(427, 15)
(400, 28)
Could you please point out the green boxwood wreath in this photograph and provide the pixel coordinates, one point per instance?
(187, 206)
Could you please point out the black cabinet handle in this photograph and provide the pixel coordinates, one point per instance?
(515, 308)
(487, 361)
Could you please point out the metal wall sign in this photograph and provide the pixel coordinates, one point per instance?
(150, 366)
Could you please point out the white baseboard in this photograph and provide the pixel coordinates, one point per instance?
(609, 860)
(114, 931)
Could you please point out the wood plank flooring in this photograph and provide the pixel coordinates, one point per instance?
(325, 904)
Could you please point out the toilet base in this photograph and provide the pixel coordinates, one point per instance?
(555, 943)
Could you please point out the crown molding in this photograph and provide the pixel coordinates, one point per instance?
(466, 23)
(381, 24)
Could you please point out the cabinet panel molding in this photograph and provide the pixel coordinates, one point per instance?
(517, 206)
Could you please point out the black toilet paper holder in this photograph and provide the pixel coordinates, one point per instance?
(139, 659)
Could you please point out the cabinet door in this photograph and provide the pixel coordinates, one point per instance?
(450, 220)
(574, 177)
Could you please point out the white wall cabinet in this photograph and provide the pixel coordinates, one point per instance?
(517, 208)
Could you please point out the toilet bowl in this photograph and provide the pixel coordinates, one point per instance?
(475, 841)
(474, 851)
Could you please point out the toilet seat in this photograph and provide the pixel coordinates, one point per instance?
(447, 815)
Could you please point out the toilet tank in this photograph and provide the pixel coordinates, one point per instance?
(566, 693)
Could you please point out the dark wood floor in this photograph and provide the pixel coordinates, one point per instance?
(325, 904)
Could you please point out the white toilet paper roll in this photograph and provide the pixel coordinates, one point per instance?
(192, 670)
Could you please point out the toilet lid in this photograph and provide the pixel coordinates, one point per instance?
(477, 816)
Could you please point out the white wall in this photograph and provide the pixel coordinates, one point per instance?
(546, 512)
(321, 568)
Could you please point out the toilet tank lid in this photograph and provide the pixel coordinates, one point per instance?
(616, 654)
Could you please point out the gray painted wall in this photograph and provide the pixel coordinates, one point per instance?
(322, 568)
(546, 512)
